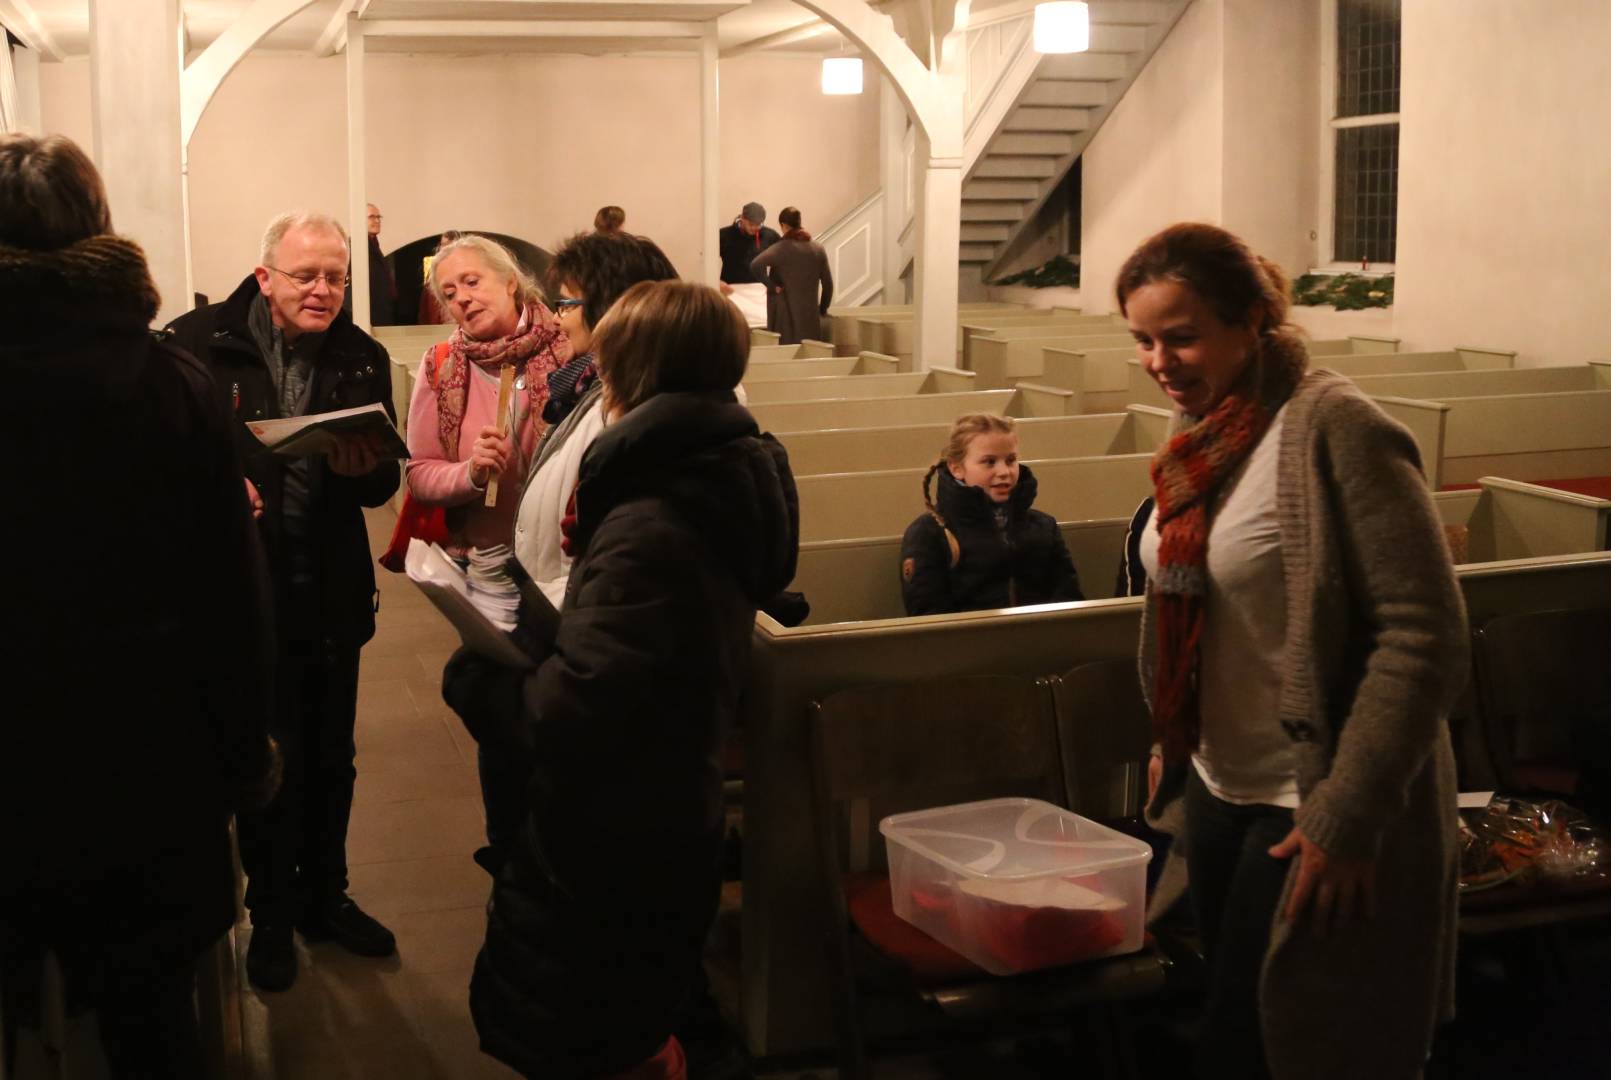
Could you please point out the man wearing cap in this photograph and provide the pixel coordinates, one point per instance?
(739, 243)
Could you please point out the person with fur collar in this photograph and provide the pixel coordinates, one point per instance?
(1303, 641)
(139, 659)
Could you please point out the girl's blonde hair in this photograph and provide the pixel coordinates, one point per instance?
(968, 427)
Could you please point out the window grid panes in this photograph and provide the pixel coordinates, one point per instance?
(1366, 220)
(1367, 57)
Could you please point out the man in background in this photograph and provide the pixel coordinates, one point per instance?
(739, 243)
(382, 283)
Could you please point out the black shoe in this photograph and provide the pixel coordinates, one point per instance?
(342, 921)
(489, 859)
(271, 957)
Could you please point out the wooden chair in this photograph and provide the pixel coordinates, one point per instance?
(884, 749)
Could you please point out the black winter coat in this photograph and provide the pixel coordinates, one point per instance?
(687, 519)
(138, 644)
(351, 369)
(1025, 563)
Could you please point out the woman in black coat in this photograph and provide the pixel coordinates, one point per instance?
(138, 644)
(685, 520)
(981, 544)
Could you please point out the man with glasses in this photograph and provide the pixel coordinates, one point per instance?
(281, 346)
(382, 284)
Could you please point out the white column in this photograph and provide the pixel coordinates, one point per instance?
(134, 112)
(892, 180)
(710, 147)
(934, 279)
(25, 65)
(357, 200)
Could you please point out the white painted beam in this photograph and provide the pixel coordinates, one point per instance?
(203, 77)
(357, 180)
(333, 38)
(134, 113)
(792, 36)
(527, 28)
(709, 155)
(19, 17)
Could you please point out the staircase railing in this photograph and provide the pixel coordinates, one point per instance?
(855, 245)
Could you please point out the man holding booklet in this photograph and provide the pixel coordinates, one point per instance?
(280, 348)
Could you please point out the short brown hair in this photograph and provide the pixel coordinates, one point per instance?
(609, 218)
(1217, 266)
(666, 336)
(50, 193)
(789, 217)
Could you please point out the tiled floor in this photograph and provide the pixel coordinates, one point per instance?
(416, 818)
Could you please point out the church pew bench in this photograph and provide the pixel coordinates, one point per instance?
(867, 363)
(1542, 436)
(846, 335)
(1511, 519)
(785, 999)
(878, 412)
(882, 502)
(1138, 430)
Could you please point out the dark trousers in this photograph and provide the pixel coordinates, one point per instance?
(503, 794)
(1235, 887)
(295, 851)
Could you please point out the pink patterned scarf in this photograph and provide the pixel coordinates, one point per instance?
(537, 347)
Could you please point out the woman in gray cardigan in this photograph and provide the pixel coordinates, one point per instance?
(1303, 642)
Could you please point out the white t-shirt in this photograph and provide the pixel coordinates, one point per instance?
(537, 532)
(1243, 756)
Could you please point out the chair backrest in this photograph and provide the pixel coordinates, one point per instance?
(1544, 691)
(889, 748)
(1104, 732)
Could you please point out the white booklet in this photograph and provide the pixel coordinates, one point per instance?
(446, 586)
(317, 433)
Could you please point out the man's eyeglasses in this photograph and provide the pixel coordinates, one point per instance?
(337, 282)
(565, 303)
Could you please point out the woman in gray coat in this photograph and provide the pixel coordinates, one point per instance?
(1304, 639)
(798, 264)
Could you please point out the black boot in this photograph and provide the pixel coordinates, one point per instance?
(340, 920)
(271, 957)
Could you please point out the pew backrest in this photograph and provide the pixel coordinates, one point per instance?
(930, 408)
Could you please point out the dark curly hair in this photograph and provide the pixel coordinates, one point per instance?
(602, 266)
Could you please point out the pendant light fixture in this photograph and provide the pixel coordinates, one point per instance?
(841, 75)
(1062, 27)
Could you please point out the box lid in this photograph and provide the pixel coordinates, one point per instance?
(1013, 839)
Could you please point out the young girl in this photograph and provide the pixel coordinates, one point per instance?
(980, 545)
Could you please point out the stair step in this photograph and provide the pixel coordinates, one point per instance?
(1016, 167)
(1042, 119)
(976, 253)
(1065, 93)
(1009, 190)
(991, 211)
(985, 233)
(1084, 66)
(1018, 143)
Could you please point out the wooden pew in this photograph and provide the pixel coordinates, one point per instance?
(859, 579)
(1439, 385)
(895, 334)
(763, 337)
(876, 412)
(1357, 365)
(828, 387)
(410, 342)
(865, 364)
(1527, 436)
(804, 350)
(786, 1004)
(1007, 360)
(1508, 519)
(836, 506)
(1139, 430)
(846, 335)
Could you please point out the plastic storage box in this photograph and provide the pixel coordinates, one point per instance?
(1017, 884)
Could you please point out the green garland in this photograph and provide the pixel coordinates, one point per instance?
(1059, 270)
(1345, 292)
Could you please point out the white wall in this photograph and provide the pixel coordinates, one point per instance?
(1504, 221)
(1504, 212)
(1159, 158)
(523, 144)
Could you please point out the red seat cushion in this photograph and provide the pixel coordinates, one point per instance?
(872, 912)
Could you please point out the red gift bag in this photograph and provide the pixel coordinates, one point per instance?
(416, 521)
